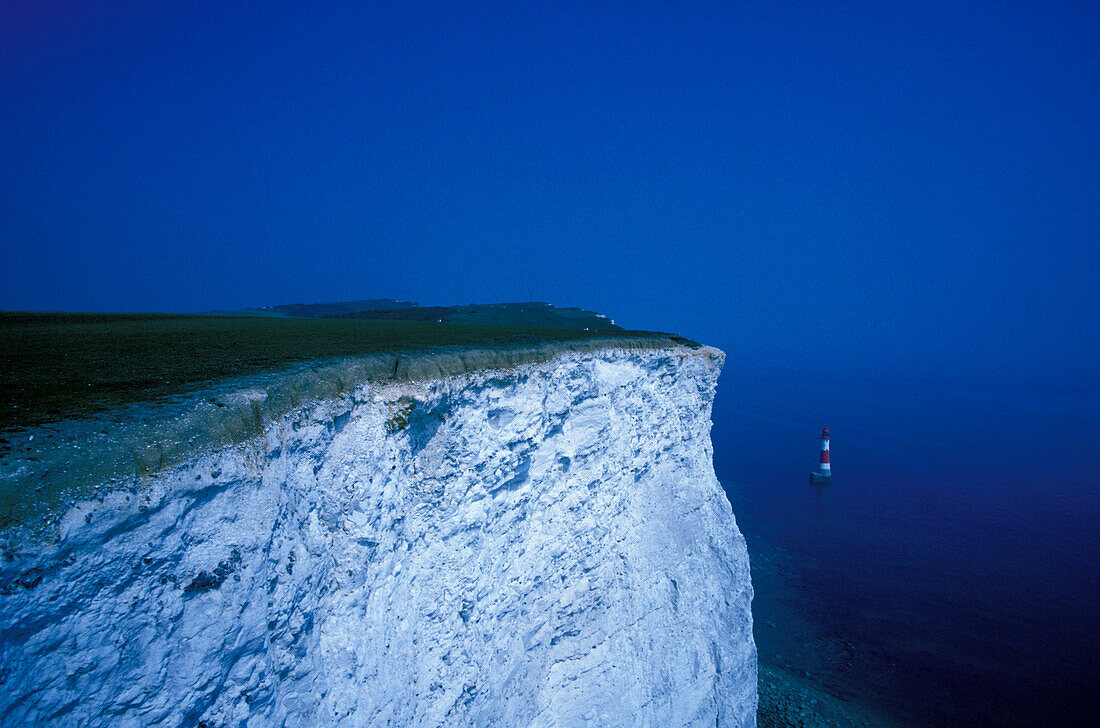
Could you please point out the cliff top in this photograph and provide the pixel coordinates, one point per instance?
(57, 366)
(92, 399)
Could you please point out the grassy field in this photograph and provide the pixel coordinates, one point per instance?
(55, 365)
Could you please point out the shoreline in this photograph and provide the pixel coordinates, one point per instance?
(796, 659)
(788, 701)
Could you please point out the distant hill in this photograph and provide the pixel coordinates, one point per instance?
(535, 314)
(530, 314)
(321, 310)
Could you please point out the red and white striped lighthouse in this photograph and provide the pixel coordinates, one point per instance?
(823, 474)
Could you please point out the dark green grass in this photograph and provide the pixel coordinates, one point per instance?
(494, 314)
(59, 365)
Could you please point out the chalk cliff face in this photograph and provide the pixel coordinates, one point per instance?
(544, 545)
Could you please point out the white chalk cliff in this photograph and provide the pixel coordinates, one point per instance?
(542, 544)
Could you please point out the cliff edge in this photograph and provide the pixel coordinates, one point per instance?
(522, 537)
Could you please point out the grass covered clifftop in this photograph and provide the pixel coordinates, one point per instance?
(93, 401)
(63, 365)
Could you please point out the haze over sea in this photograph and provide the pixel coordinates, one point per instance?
(947, 577)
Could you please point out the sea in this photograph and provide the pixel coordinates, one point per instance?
(950, 573)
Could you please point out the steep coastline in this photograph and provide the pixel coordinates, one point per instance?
(506, 536)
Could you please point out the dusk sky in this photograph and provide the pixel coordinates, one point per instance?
(853, 184)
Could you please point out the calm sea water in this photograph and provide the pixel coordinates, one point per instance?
(949, 574)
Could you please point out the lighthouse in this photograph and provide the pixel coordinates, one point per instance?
(823, 474)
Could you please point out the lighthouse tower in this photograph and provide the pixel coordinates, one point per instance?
(823, 474)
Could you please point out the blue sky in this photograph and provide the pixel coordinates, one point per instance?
(848, 185)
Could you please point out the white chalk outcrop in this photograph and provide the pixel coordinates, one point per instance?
(543, 545)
